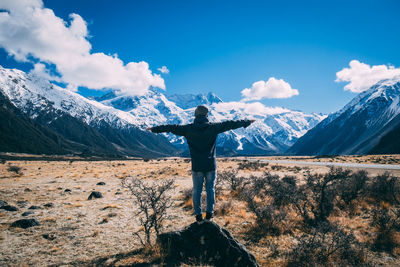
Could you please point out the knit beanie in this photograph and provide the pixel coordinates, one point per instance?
(201, 111)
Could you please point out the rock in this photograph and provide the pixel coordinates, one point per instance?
(49, 236)
(48, 205)
(9, 208)
(25, 223)
(95, 194)
(101, 183)
(118, 193)
(33, 207)
(204, 243)
(3, 203)
(112, 214)
(105, 220)
(27, 190)
(22, 203)
(67, 190)
(26, 213)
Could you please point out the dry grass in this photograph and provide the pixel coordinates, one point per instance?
(85, 230)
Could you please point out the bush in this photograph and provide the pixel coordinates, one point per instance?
(231, 179)
(281, 190)
(269, 217)
(313, 201)
(387, 223)
(251, 165)
(152, 201)
(15, 169)
(327, 245)
(386, 188)
(224, 208)
(353, 187)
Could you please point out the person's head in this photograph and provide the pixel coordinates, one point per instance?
(201, 111)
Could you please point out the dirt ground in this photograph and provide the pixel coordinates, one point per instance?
(77, 229)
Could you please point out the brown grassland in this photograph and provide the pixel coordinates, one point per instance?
(77, 231)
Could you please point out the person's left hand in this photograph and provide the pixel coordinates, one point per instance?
(148, 129)
(252, 121)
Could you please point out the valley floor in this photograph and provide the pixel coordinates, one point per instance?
(76, 229)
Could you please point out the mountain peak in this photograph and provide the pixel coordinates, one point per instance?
(358, 126)
(186, 101)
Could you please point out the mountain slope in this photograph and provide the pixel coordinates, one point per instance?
(19, 133)
(358, 127)
(389, 142)
(93, 127)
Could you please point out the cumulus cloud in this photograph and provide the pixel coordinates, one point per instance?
(362, 76)
(32, 33)
(163, 70)
(273, 88)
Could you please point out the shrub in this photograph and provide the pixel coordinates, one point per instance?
(352, 187)
(15, 169)
(313, 201)
(281, 190)
(386, 188)
(251, 165)
(152, 201)
(187, 194)
(231, 179)
(387, 222)
(224, 208)
(327, 245)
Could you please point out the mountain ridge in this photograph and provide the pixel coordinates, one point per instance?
(358, 127)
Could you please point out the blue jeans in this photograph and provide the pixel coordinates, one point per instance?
(198, 180)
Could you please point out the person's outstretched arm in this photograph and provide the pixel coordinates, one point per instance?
(230, 125)
(171, 128)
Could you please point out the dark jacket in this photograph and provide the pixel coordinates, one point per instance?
(201, 136)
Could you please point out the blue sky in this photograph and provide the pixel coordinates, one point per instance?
(226, 46)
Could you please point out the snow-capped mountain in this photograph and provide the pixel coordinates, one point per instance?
(186, 101)
(117, 122)
(274, 131)
(79, 119)
(359, 126)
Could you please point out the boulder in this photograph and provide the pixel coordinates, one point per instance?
(25, 223)
(33, 207)
(95, 194)
(48, 205)
(9, 208)
(204, 243)
(101, 183)
(26, 213)
(3, 203)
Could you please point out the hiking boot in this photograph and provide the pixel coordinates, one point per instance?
(199, 217)
(209, 216)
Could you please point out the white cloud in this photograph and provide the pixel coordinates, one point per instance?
(273, 88)
(163, 70)
(362, 76)
(32, 33)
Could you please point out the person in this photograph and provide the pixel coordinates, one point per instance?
(201, 137)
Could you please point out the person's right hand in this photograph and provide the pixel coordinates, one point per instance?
(252, 121)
